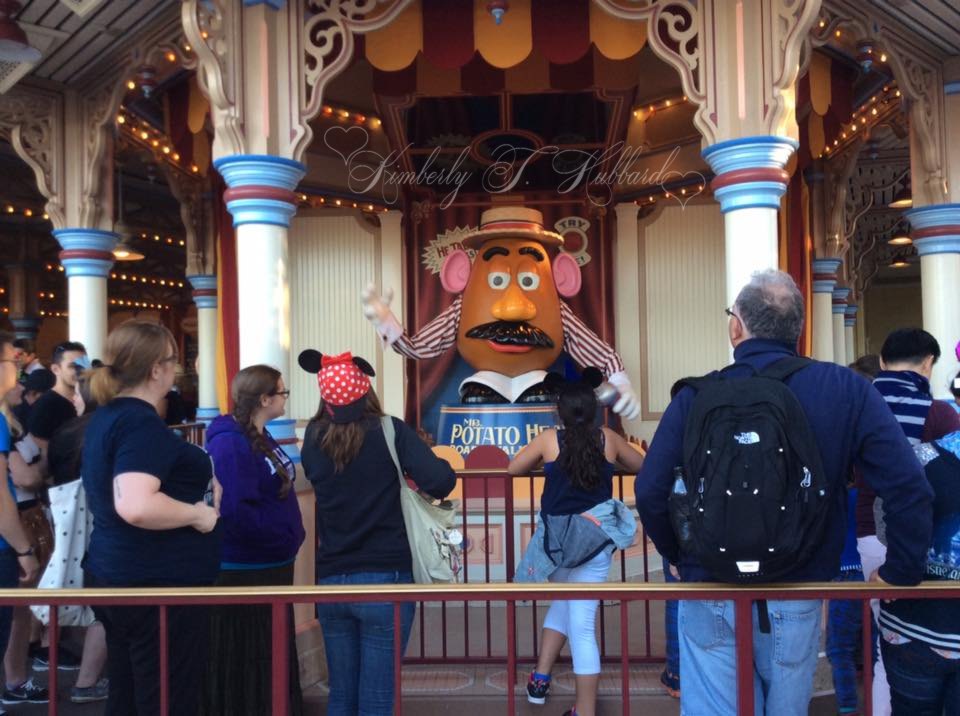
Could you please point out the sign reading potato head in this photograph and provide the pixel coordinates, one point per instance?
(509, 321)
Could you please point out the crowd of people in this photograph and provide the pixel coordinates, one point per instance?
(878, 502)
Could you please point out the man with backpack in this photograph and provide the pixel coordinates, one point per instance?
(749, 466)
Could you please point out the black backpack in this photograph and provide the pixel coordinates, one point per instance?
(756, 497)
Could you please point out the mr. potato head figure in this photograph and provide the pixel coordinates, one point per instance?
(509, 322)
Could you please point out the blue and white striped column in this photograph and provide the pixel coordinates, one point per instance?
(262, 202)
(87, 258)
(821, 315)
(849, 333)
(839, 316)
(205, 296)
(750, 179)
(935, 231)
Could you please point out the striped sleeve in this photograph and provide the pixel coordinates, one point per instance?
(435, 338)
(585, 346)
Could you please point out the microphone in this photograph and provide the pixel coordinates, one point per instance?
(607, 394)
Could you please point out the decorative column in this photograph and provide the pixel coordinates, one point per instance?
(391, 274)
(750, 179)
(839, 329)
(87, 258)
(205, 296)
(821, 315)
(935, 231)
(849, 335)
(626, 282)
(261, 200)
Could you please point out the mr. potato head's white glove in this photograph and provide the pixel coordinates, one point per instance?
(627, 405)
(376, 308)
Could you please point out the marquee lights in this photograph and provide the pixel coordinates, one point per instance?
(346, 116)
(647, 111)
(869, 110)
(151, 138)
(169, 240)
(151, 280)
(10, 209)
(670, 194)
(138, 304)
(317, 201)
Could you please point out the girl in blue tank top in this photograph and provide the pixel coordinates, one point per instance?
(578, 461)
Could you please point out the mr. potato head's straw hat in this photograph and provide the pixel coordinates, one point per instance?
(512, 222)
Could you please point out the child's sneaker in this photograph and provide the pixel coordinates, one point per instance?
(537, 688)
(86, 694)
(25, 693)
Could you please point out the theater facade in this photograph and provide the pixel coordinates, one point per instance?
(241, 171)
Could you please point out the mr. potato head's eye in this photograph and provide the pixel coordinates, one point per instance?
(528, 280)
(498, 280)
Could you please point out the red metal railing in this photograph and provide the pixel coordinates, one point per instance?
(501, 509)
(279, 597)
(192, 432)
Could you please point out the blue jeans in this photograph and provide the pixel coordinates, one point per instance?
(670, 609)
(358, 640)
(844, 620)
(783, 660)
(922, 683)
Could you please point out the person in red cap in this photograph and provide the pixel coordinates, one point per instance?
(360, 530)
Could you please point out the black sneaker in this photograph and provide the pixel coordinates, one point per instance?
(66, 659)
(26, 693)
(537, 690)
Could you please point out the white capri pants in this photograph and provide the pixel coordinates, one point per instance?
(576, 619)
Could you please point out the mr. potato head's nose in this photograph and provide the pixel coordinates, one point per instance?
(514, 306)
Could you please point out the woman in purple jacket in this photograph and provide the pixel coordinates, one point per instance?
(262, 532)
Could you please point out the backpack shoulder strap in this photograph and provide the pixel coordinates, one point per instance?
(697, 383)
(785, 367)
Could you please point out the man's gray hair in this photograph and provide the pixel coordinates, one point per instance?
(771, 306)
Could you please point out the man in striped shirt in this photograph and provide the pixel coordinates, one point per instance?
(510, 323)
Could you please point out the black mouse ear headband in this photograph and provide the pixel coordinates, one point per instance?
(556, 382)
(312, 360)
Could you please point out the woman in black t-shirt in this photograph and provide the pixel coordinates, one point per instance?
(145, 488)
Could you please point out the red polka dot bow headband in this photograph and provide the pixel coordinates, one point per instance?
(344, 382)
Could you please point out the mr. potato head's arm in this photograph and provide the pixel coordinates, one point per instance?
(435, 338)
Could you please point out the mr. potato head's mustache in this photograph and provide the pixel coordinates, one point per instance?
(511, 333)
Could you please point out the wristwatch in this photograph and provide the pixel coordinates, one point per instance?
(25, 554)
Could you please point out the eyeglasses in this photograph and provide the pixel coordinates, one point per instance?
(284, 393)
(732, 314)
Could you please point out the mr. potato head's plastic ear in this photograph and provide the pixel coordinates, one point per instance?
(310, 360)
(566, 275)
(363, 366)
(455, 271)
